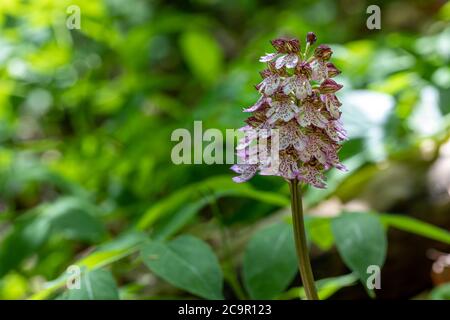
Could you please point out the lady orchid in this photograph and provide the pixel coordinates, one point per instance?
(298, 113)
(297, 98)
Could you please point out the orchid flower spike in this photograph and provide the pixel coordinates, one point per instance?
(298, 98)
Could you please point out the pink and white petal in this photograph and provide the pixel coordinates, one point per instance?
(305, 155)
(245, 128)
(285, 142)
(312, 176)
(243, 178)
(281, 61)
(274, 118)
(288, 86)
(271, 110)
(300, 143)
(303, 89)
(256, 106)
(320, 156)
(319, 120)
(268, 57)
(291, 60)
(272, 84)
(341, 167)
(237, 168)
(294, 108)
(286, 114)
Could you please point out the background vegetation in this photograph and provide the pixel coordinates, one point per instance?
(85, 170)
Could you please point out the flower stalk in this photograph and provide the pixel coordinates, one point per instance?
(304, 264)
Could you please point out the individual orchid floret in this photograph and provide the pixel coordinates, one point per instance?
(261, 104)
(332, 105)
(292, 135)
(332, 70)
(246, 171)
(289, 164)
(329, 86)
(311, 113)
(286, 55)
(313, 175)
(298, 101)
(283, 45)
(304, 69)
(335, 130)
(289, 60)
(323, 52)
(283, 109)
(269, 85)
(299, 83)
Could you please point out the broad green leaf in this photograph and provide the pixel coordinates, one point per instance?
(319, 231)
(361, 241)
(187, 263)
(270, 261)
(94, 285)
(105, 254)
(203, 55)
(415, 226)
(325, 287)
(114, 250)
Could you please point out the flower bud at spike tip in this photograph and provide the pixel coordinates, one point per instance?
(311, 38)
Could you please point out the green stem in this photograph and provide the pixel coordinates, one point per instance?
(306, 51)
(304, 265)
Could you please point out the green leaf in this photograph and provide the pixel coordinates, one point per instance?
(325, 287)
(94, 285)
(319, 231)
(441, 292)
(105, 254)
(187, 263)
(203, 55)
(361, 241)
(416, 226)
(25, 238)
(270, 261)
(329, 286)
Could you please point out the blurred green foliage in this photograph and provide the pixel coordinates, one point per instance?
(86, 117)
